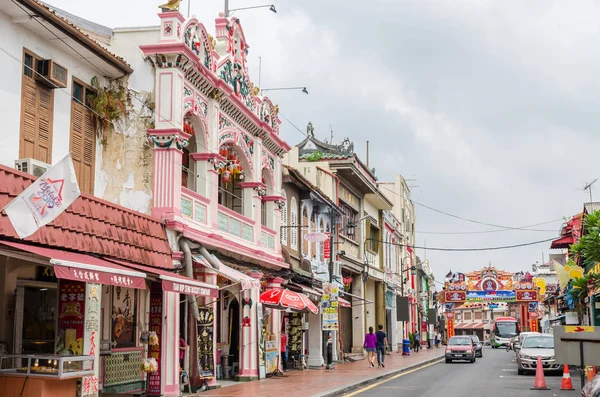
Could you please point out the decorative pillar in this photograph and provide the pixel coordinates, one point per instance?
(315, 340)
(276, 317)
(358, 317)
(248, 365)
(207, 305)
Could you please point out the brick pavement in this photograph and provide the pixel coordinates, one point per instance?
(321, 382)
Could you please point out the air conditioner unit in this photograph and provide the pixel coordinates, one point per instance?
(32, 166)
(51, 74)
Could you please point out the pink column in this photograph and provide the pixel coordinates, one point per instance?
(249, 332)
(166, 190)
(276, 316)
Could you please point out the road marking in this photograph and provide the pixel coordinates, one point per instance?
(364, 389)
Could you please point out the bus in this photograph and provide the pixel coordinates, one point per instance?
(503, 330)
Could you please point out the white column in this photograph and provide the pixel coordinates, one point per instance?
(315, 341)
(394, 330)
(358, 317)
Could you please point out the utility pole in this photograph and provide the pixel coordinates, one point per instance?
(226, 9)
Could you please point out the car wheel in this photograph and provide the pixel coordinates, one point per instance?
(448, 361)
(520, 371)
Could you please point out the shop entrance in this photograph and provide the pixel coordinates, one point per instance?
(35, 318)
(234, 331)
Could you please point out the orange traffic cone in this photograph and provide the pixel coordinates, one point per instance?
(540, 381)
(567, 384)
(591, 372)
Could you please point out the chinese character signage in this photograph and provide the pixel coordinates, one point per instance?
(156, 299)
(526, 296)
(89, 276)
(206, 352)
(450, 325)
(124, 316)
(455, 296)
(534, 325)
(327, 247)
(329, 304)
(71, 311)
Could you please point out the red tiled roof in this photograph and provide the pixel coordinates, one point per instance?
(563, 242)
(92, 225)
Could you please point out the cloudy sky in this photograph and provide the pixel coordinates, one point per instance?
(491, 107)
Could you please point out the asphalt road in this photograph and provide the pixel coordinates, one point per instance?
(494, 375)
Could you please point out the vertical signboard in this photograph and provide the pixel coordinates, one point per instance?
(261, 341)
(450, 325)
(91, 337)
(206, 355)
(329, 304)
(71, 312)
(327, 247)
(156, 299)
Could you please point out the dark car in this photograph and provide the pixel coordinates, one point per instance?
(478, 346)
(460, 348)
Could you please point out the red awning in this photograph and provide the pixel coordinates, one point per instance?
(563, 242)
(86, 268)
(176, 283)
(344, 303)
(469, 326)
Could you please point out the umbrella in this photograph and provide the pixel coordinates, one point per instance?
(282, 299)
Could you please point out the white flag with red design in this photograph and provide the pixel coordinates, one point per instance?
(44, 199)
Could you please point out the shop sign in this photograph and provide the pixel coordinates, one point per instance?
(75, 274)
(206, 352)
(271, 355)
(154, 378)
(526, 296)
(455, 296)
(533, 307)
(124, 304)
(327, 248)
(449, 307)
(450, 327)
(329, 305)
(534, 325)
(71, 312)
(46, 273)
(316, 237)
(170, 286)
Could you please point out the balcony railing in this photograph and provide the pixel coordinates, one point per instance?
(194, 206)
(235, 224)
(267, 238)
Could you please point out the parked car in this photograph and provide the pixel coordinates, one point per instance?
(534, 346)
(460, 348)
(592, 388)
(519, 340)
(478, 345)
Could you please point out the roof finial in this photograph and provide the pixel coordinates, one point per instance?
(310, 131)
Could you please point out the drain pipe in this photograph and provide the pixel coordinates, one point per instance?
(189, 272)
(209, 257)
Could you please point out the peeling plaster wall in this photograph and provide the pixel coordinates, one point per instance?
(126, 172)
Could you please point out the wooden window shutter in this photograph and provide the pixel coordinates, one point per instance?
(29, 123)
(82, 146)
(45, 119)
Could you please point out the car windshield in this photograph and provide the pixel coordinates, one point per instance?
(459, 341)
(538, 342)
(475, 338)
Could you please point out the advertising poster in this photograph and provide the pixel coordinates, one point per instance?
(154, 381)
(329, 305)
(71, 312)
(271, 355)
(123, 316)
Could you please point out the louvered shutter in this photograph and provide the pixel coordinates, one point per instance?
(45, 113)
(29, 123)
(82, 146)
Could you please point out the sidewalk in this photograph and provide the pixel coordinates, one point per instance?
(324, 383)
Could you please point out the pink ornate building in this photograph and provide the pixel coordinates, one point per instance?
(217, 183)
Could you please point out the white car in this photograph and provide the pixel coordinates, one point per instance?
(541, 345)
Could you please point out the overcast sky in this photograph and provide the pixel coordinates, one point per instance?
(490, 106)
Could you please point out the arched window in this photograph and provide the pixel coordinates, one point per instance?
(304, 229)
(294, 222)
(284, 223)
(230, 175)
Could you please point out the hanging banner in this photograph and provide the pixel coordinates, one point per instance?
(327, 248)
(156, 299)
(71, 311)
(329, 305)
(450, 325)
(534, 325)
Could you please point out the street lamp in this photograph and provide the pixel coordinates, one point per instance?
(228, 11)
(304, 90)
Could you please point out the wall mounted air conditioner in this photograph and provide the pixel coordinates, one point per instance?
(31, 166)
(51, 74)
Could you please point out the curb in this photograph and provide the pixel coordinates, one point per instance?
(345, 389)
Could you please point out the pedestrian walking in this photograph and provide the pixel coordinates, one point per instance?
(370, 345)
(381, 344)
(438, 337)
(417, 342)
(284, 358)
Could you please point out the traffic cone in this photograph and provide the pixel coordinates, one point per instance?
(591, 372)
(567, 384)
(540, 381)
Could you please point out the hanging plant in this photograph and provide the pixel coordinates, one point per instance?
(109, 103)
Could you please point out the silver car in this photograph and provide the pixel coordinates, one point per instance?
(533, 346)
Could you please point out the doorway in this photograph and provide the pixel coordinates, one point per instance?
(35, 318)
(234, 332)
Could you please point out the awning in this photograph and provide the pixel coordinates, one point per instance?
(312, 293)
(469, 326)
(562, 243)
(245, 281)
(355, 297)
(86, 268)
(172, 282)
(343, 302)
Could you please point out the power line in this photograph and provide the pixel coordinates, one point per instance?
(502, 247)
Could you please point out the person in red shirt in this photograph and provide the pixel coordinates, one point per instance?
(284, 358)
(182, 346)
